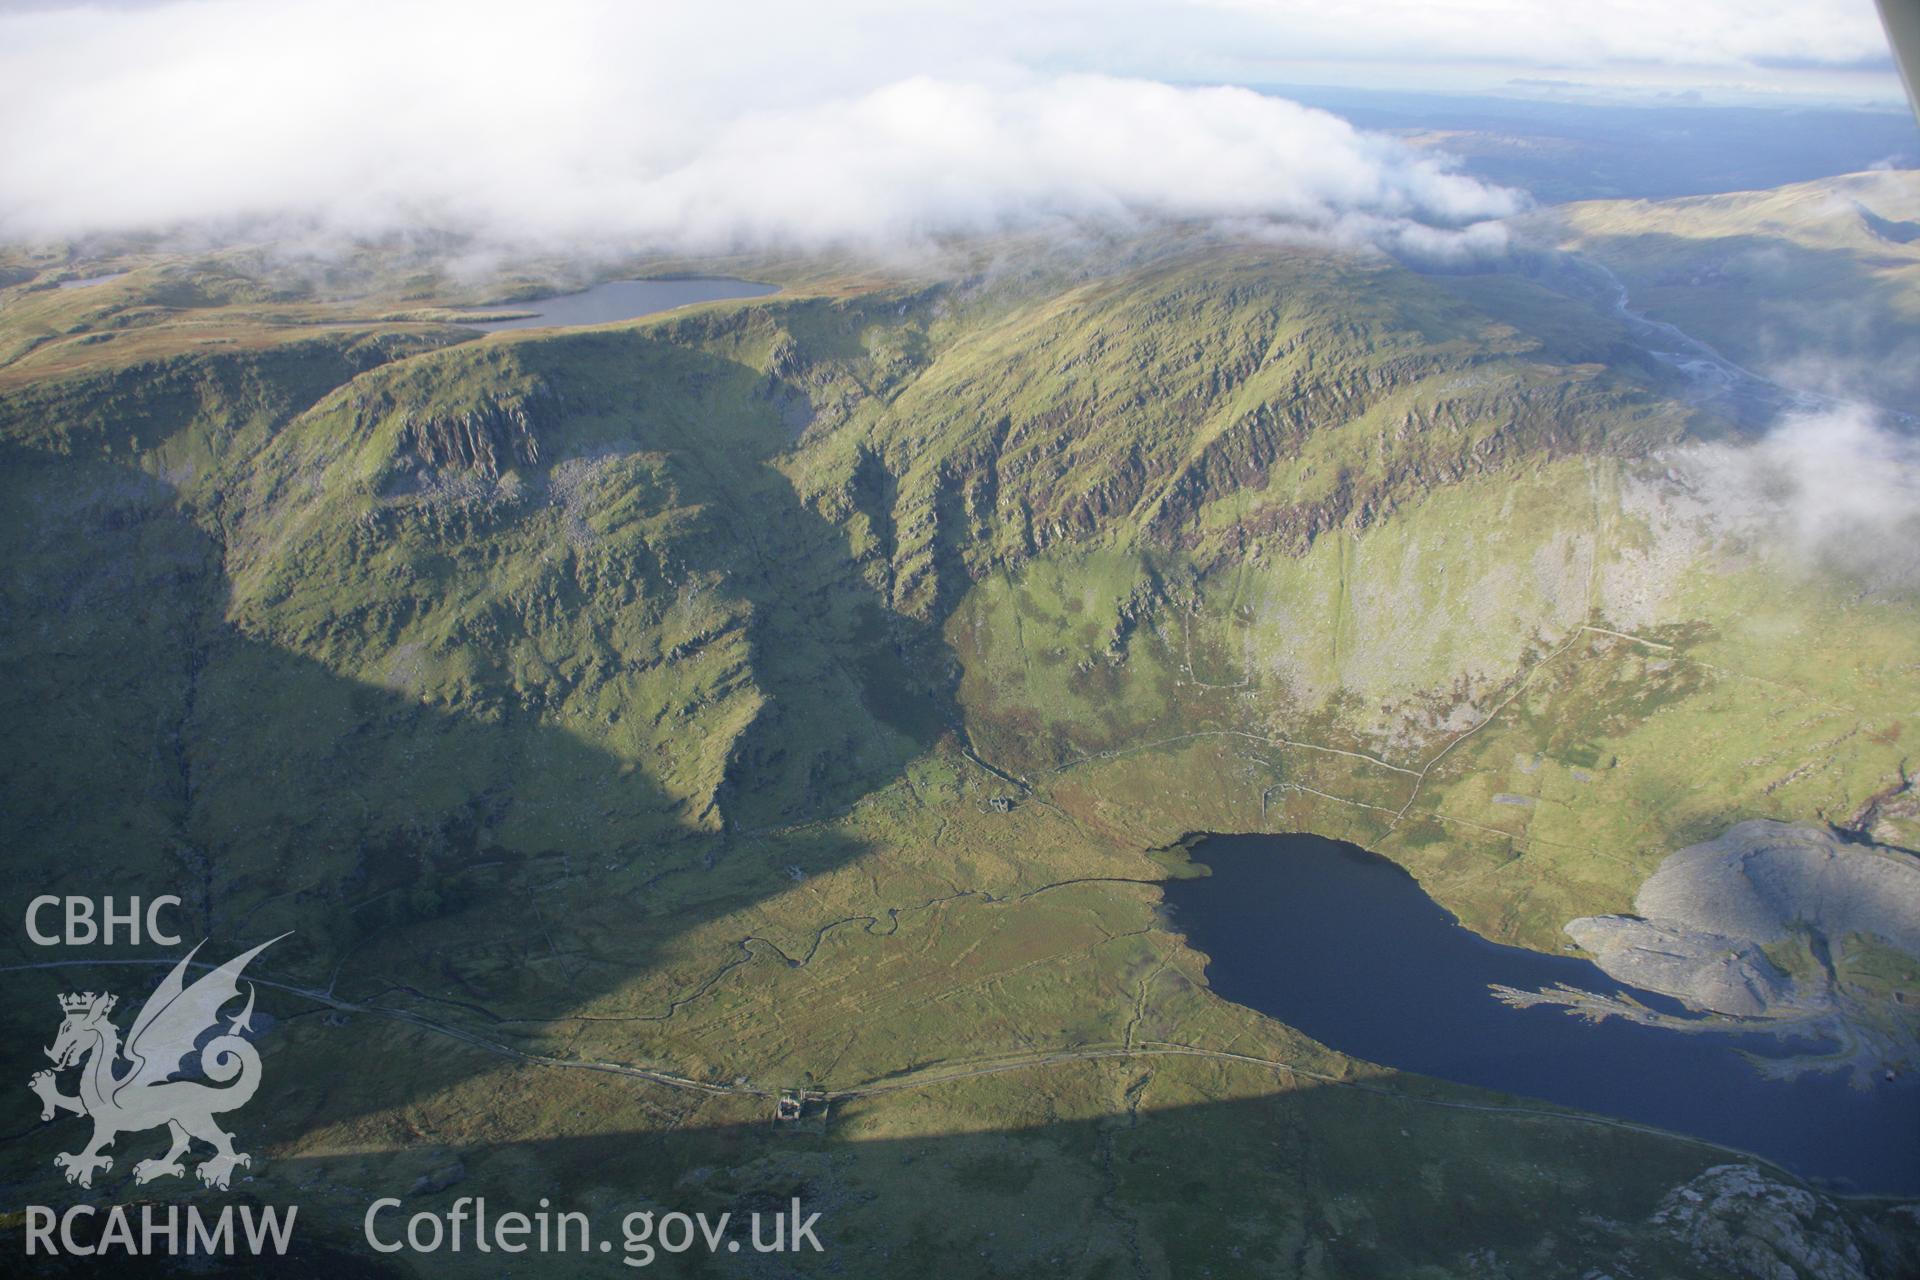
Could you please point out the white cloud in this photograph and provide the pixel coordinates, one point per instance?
(1832, 489)
(850, 121)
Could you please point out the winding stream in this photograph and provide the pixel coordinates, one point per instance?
(1751, 399)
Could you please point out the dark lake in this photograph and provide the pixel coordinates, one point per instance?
(1346, 947)
(622, 300)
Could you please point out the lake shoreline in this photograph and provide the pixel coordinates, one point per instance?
(1296, 927)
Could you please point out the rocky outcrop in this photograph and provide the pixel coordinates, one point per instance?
(1736, 1221)
(1707, 970)
(1760, 879)
(1706, 910)
(488, 438)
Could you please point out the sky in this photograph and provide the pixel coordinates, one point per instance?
(841, 122)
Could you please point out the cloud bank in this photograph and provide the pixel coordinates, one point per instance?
(1833, 490)
(695, 129)
(772, 124)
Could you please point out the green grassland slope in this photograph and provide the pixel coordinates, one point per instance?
(634, 721)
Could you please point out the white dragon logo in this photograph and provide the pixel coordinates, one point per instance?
(145, 1095)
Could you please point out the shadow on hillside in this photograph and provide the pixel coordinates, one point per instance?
(1311, 1181)
(155, 749)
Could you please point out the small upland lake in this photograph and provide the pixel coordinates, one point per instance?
(619, 300)
(1345, 946)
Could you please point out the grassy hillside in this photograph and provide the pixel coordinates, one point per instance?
(642, 695)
